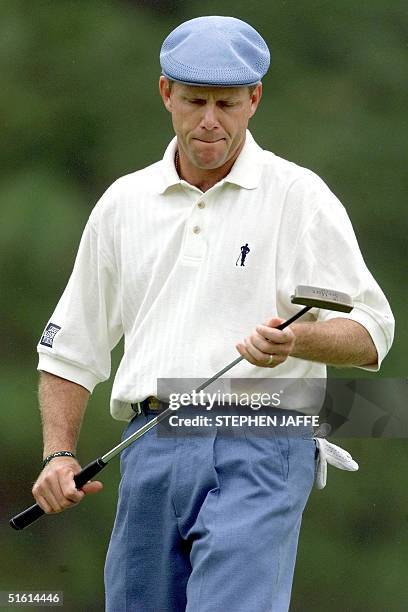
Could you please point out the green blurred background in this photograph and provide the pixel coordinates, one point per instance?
(79, 107)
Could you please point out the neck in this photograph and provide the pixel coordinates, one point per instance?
(200, 177)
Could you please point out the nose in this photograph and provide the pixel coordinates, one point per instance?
(209, 120)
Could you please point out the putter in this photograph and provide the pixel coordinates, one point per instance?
(309, 297)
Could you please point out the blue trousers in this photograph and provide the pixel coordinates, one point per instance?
(208, 523)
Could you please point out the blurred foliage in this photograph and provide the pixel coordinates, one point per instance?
(79, 107)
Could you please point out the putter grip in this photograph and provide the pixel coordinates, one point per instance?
(34, 512)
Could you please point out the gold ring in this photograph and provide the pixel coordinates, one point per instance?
(270, 360)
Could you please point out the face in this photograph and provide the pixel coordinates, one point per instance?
(209, 122)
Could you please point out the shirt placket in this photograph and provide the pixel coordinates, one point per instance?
(195, 243)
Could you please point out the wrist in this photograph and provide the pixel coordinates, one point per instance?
(54, 455)
(302, 333)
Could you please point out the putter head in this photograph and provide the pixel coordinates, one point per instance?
(322, 298)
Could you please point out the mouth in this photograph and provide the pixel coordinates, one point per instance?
(209, 141)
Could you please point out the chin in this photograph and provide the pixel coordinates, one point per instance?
(209, 162)
(210, 165)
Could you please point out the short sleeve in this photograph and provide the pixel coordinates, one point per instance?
(327, 255)
(86, 323)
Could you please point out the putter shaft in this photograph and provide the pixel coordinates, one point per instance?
(34, 512)
(312, 296)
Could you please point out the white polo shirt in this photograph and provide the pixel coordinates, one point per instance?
(160, 263)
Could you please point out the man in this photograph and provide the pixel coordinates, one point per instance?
(244, 252)
(209, 523)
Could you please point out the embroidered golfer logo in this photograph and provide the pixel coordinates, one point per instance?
(242, 256)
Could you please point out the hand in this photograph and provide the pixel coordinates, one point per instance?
(266, 341)
(55, 490)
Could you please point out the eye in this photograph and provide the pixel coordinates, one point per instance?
(226, 104)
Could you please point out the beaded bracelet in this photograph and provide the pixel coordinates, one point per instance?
(57, 454)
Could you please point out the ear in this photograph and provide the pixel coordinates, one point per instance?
(165, 92)
(256, 96)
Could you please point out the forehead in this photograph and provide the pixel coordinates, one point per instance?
(217, 93)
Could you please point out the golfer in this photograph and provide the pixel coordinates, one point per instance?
(204, 523)
(244, 252)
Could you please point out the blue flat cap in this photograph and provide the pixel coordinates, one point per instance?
(215, 51)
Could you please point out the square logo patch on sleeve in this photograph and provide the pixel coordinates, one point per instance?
(49, 334)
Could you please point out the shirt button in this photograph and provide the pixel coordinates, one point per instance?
(196, 229)
(201, 205)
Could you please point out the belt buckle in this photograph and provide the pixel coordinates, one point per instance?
(153, 403)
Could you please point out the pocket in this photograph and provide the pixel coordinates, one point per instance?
(283, 445)
(316, 459)
(306, 432)
(269, 450)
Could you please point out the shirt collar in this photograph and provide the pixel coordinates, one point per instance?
(246, 171)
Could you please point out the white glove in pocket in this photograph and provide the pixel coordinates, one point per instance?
(330, 453)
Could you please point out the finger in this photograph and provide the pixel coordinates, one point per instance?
(92, 487)
(264, 362)
(265, 346)
(42, 502)
(274, 322)
(53, 480)
(255, 353)
(49, 487)
(69, 490)
(241, 348)
(49, 496)
(276, 336)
